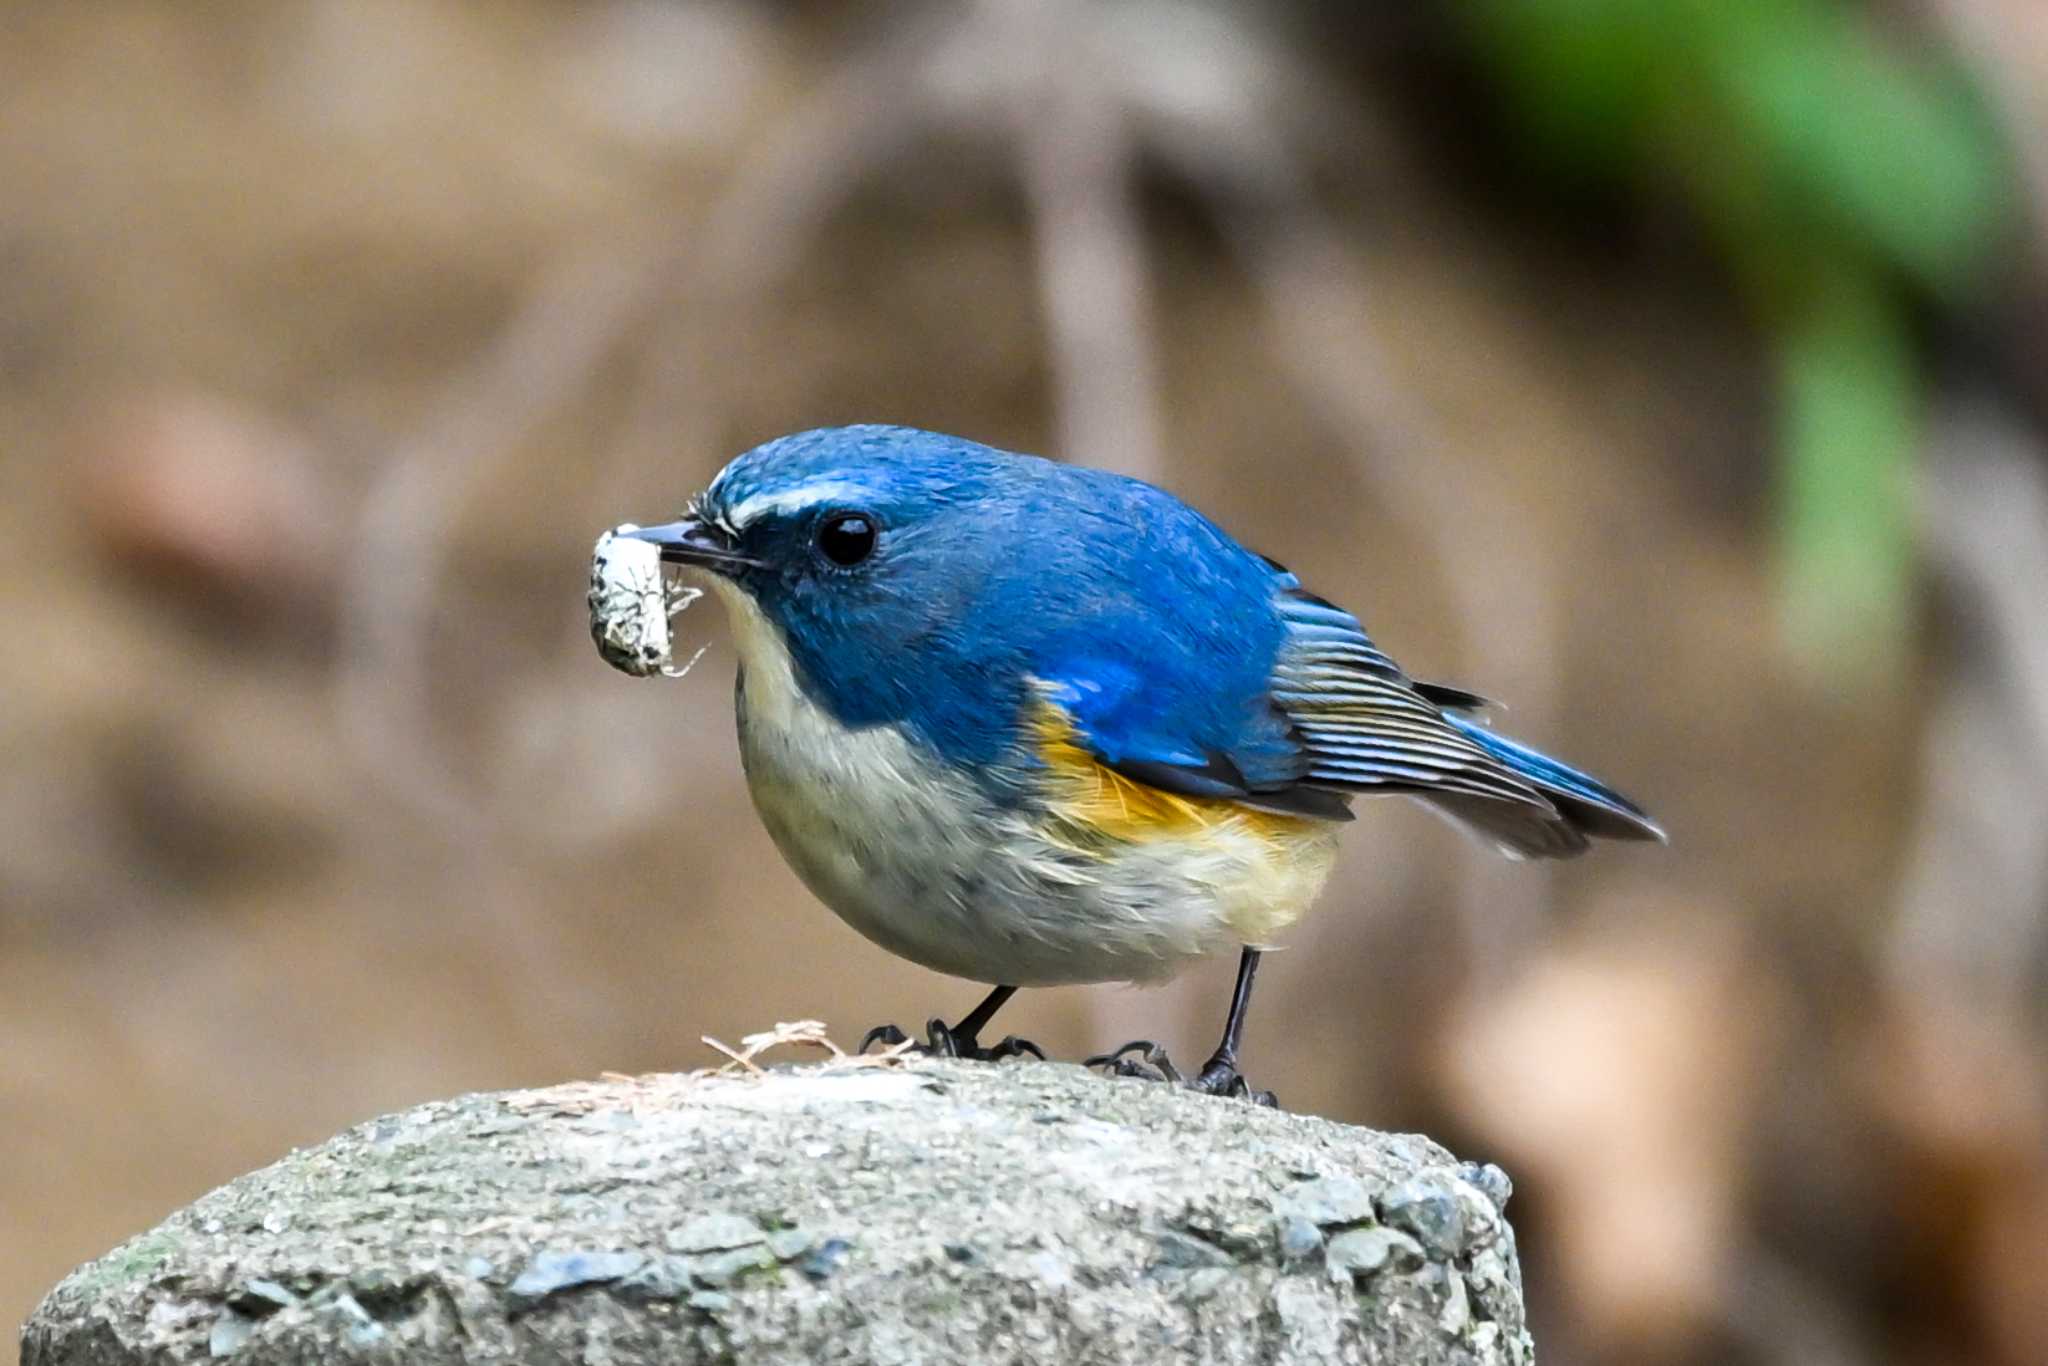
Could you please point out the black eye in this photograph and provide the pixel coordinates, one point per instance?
(846, 538)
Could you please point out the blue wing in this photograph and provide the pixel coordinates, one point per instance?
(1333, 716)
(1367, 725)
(1322, 714)
(1364, 724)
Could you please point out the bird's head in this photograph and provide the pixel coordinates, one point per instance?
(864, 554)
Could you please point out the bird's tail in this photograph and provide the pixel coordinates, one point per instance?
(1584, 809)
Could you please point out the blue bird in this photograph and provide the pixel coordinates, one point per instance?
(1031, 724)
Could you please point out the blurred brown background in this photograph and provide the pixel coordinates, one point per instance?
(1671, 371)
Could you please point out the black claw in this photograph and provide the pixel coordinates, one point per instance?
(1220, 1077)
(1147, 1061)
(1014, 1047)
(1150, 1063)
(887, 1035)
(1116, 1055)
(941, 1041)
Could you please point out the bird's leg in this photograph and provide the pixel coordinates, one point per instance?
(961, 1040)
(1219, 1076)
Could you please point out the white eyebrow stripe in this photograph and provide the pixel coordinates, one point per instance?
(783, 501)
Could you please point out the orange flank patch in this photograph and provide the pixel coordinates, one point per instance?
(1101, 801)
(1259, 869)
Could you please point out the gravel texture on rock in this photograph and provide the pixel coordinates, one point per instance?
(923, 1212)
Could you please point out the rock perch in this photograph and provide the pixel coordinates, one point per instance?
(928, 1212)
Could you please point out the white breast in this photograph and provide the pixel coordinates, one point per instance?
(923, 863)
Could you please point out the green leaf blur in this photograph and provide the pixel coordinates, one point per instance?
(1843, 180)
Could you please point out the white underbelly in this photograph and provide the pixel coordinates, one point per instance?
(925, 864)
(927, 867)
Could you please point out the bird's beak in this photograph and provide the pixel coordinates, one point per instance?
(694, 542)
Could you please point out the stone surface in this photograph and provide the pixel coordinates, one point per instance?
(927, 1212)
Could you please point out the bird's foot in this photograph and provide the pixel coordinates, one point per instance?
(1220, 1077)
(1148, 1061)
(1010, 1046)
(1140, 1058)
(940, 1041)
